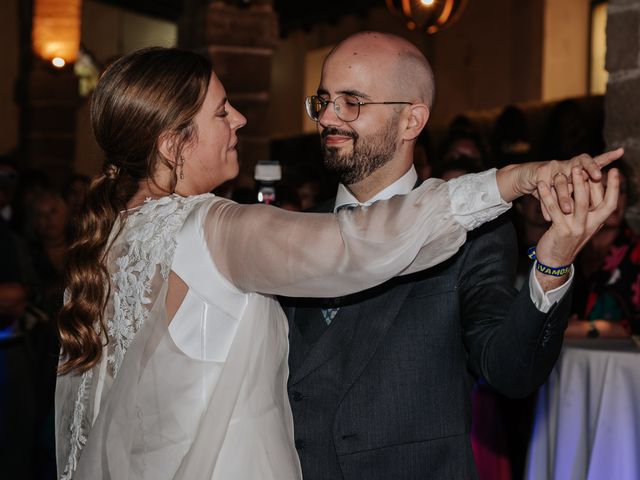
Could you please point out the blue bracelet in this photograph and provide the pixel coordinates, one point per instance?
(553, 271)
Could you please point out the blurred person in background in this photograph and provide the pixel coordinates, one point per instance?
(49, 245)
(307, 181)
(423, 156)
(31, 183)
(510, 140)
(464, 141)
(243, 195)
(28, 355)
(16, 272)
(48, 221)
(287, 198)
(8, 186)
(74, 193)
(570, 130)
(456, 167)
(17, 376)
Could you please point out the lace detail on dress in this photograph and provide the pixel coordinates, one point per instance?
(78, 437)
(150, 240)
(150, 247)
(475, 199)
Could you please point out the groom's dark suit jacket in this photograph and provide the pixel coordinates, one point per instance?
(384, 391)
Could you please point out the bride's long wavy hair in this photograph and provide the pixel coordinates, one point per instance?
(140, 97)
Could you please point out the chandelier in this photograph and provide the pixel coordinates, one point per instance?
(428, 16)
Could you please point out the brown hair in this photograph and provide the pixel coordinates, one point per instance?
(140, 97)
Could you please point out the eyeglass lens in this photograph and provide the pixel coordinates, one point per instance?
(346, 107)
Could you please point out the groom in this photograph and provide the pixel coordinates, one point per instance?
(380, 381)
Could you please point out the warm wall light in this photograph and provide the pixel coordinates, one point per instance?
(58, 62)
(56, 29)
(429, 16)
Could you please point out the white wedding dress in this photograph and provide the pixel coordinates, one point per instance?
(203, 396)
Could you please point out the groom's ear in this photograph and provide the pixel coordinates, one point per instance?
(416, 121)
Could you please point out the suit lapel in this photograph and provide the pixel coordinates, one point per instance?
(373, 317)
(376, 317)
(298, 347)
(359, 327)
(333, 341)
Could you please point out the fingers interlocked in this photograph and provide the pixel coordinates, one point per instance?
(559, 176)
(590, 207)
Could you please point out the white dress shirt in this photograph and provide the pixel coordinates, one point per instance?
(541, 299)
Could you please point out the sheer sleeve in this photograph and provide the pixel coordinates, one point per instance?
(273, 251)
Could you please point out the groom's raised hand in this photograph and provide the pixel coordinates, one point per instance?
(569, 232)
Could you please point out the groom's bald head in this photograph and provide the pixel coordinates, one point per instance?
(393, 60)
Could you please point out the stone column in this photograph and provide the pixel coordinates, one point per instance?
(239, 37)
(622, 101)
(48, 99)
(49, 120)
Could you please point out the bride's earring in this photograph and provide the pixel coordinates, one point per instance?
(181, 168)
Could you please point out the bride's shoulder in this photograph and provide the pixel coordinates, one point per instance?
(171, 208)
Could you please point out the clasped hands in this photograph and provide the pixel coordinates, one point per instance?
(574, 198)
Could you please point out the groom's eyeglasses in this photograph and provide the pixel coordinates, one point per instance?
(347, 107)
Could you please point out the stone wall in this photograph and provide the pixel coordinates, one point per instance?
(622, 101)
(49, 135)
(8, 106)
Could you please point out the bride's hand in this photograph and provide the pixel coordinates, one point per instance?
(517, 180)
(558, 175)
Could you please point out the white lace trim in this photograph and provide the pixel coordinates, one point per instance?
(78, 437)
(475, 199)
(150, 246)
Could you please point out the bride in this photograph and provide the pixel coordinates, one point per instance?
(174, 352)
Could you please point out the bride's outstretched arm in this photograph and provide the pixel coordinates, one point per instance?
(269, 250)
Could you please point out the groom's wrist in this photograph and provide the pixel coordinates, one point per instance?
(551, 271)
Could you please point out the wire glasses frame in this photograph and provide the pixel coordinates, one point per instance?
(347, 107)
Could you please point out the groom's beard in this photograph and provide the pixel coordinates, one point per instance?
(367, 155)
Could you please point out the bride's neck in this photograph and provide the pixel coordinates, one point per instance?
(146, 189)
